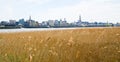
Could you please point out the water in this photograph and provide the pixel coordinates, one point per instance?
(30, 29)
(43, 29)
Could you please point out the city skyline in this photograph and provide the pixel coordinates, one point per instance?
(43, 10)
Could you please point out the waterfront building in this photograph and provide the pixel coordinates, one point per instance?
(57, 23)
(51, 23)
(44, 24)
(12, 22)
(79, 22)
(21, 22)
(32, 23)
(3, 23)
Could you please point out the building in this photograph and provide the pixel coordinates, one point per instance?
(31, 23)
(44, 24)
(22, 21)
(117, 24)
(63, 23)
(80, 19)
(12, 22)
(51, 23)
(79, 22)
(4, 23)
(57, 23)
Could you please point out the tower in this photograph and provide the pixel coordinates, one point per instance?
(29, 18)
(64, 19)
(79, 18)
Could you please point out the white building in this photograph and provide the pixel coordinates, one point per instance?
(51, 22)
(12, 21)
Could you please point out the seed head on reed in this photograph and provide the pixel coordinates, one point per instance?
(35, 49)
(6, 54)
(53, 52)
(70, 41)
(46, 45)
(30, 58)
(77, 54)
(117, 34)
(118, 51)
(30, 48)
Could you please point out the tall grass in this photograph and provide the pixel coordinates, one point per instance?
(79, 45)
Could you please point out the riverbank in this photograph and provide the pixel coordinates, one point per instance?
(74, 45)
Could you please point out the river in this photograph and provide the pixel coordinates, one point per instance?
(42, 29)
(30, 29)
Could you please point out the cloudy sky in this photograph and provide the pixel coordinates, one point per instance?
(42, 10)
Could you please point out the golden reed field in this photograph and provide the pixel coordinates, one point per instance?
(75, 45)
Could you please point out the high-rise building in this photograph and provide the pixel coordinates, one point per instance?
(79, 22)
(80, 19)
(51, 22)
(30, 19)
(57, 23)
(12, 21)
(32, 23)
(63, 22)
(21, 21)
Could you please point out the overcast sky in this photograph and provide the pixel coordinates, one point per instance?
(42, 10)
